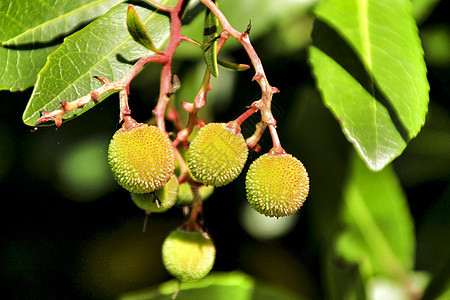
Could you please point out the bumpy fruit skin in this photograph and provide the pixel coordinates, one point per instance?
(167, 197)
(188, 255)
(277, 185)
(217, 155)
(142, 158)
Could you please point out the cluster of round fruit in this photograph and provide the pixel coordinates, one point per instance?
(142, 160)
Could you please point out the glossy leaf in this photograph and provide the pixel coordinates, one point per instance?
(368, 63)
(30, 30)
(137, 30)
(378, 232)
(210, 42)
(217, 286)
(103, 48)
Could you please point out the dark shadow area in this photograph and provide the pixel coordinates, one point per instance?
(192, 13)
(147, 5)
(329, 41)
(122, 59)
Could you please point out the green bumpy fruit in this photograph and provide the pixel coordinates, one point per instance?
(141, 158)
(185, 196)
(277, 185)
(167, 196)
(188, 255)
(217, 155)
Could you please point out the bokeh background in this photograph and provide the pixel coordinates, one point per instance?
(69, 232)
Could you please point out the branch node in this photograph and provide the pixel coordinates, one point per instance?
(257, 76)
(188, 106)
(176, 84)
(94, 96)
(249, 27)
(102, 79)
(63, 104)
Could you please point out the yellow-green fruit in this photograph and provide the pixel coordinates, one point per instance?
(217, 155)
(165, 197)
(277, 185)
(142, 158)
(188, 255)
(185, 196)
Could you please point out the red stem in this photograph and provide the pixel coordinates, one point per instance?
(166, 74)
(245, 116)
(267, 90)
(277, 149)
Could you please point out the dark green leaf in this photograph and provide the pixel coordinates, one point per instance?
(217, 286)
(137, 30)
(30, 30)
(103, 48)
(439, 288)
(368, 63)
(379, 234)
(210, 42)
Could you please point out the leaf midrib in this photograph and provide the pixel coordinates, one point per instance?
(367, 54)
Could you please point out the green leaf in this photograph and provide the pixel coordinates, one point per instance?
(210, 42)
(368, 63)
(103, 48)
(232, 66)
(378, 229)
(30, 30)
(137, 30)
(217, 286)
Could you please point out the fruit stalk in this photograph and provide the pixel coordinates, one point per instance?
(245, 115)
(192, 109)
(252, 141)
(196, 217)
(276, 149)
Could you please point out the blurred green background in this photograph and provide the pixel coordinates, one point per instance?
(69, 231)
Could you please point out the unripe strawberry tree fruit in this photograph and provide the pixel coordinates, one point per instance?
(141, 158)
(277, 185)
(188, 255)
(217, 154)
